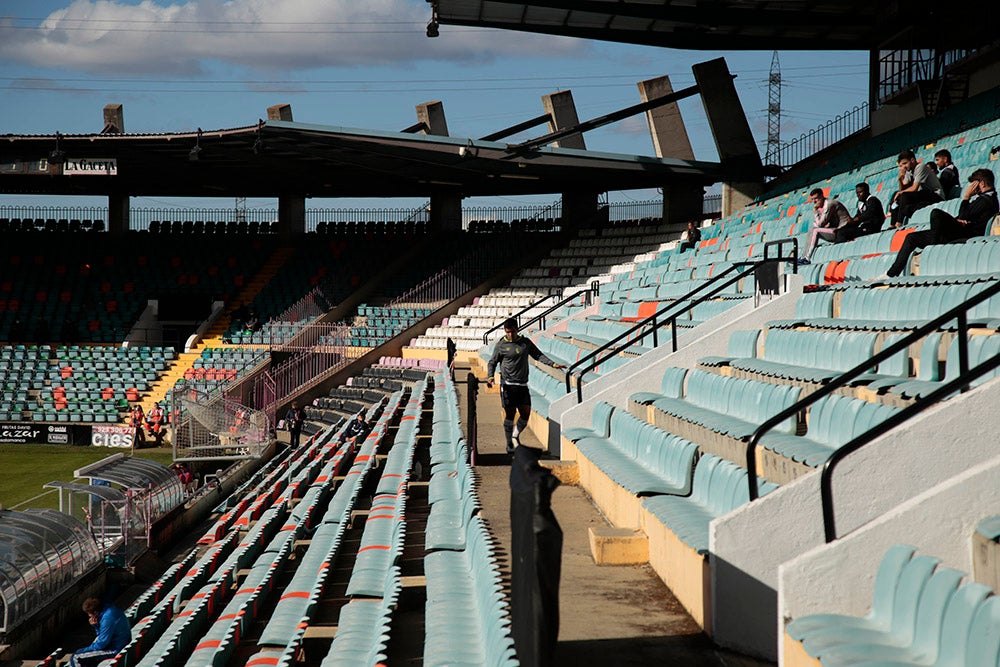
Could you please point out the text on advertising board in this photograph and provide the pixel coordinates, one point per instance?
(90, 166)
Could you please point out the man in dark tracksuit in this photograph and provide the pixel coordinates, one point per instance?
(356, 429)
(511, 354)
(979, 205)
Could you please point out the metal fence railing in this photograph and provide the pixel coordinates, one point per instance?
(45, 213)
(141, 218)
(902, 68)
(827, 134)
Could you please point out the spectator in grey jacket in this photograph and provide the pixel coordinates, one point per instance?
(511, 356)
(922, 189)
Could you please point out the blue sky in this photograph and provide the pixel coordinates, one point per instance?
(219, 64)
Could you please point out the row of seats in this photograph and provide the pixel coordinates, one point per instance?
(920, 614)
(212, 623)
(60, 225)
(253, 227)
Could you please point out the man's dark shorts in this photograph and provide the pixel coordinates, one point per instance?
(514, 396)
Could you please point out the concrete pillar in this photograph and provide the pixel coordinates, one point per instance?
(291, 216)
(280, 112)
(666, 127)
(682, 202)
(562, 114)
(431, 114)
(446, 212)
(114, 119)
(738, 195)
(579, 209)
(744, 172)
(446, 206)
(118, 213)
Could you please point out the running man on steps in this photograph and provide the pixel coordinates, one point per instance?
(511, 354)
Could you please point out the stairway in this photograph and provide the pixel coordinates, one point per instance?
(213, 337)
(163, 384)
(270, 268)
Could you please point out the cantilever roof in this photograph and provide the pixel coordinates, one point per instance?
(737, 24)
(276, 157)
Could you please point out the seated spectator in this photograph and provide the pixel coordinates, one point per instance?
(356, 429)
(692, 237)
(113, 634)
(828, 216)
(923, 188)
(979, 206)
(947, 173)
(867, 220)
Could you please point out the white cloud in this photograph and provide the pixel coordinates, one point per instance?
(177, 39)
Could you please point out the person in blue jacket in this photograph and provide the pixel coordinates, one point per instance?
(113, 634)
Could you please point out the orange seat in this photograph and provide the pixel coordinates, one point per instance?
(828, 273)
(898, 238)
(840, 272)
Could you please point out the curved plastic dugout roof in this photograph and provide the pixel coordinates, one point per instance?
(277, 158)
(42, 553)
(165, 489)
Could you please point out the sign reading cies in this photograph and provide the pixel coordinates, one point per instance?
(90, 166)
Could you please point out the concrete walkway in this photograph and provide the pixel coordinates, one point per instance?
(609, 615)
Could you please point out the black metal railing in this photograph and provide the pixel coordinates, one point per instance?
(901, 68)
(958, 313)
(472, 418)
(588, 294)
(958, 384)
(679, 306)
(809, 143)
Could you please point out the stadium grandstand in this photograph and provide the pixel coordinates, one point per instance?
(765, 459)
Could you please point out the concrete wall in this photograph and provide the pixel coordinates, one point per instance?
(939, 522)
(748, 546)
(646, 372)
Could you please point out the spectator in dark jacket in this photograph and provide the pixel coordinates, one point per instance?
(947, 172)
(867, 220)
(693, 237)
(356, 429)
(979, 206)
(293, 420)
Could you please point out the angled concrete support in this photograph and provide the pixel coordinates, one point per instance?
(280, 112)
(737, 149)
(666, 127)
(562, 114)
(431, 114)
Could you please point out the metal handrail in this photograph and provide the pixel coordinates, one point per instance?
(960, 383)
(957, 313)
(684, 304)
(592, 290)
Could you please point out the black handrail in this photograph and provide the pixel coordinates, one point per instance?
(684, 306)
(588, 292)
(957, 313)
(959, 383)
